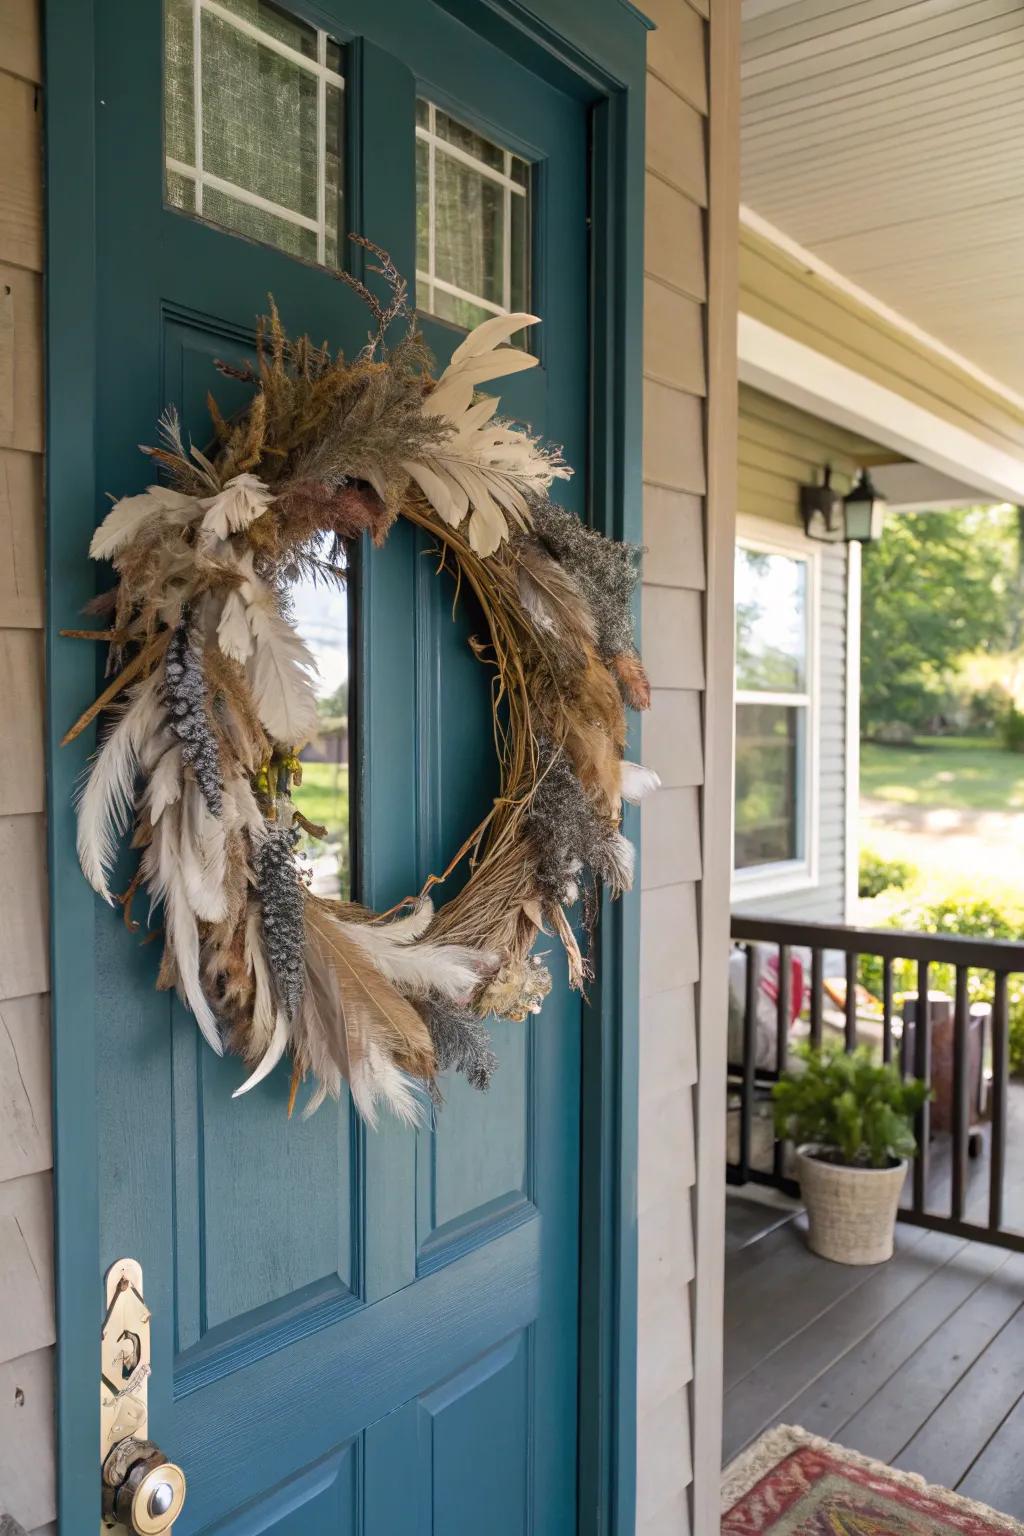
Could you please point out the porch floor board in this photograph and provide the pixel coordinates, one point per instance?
(918, 1362)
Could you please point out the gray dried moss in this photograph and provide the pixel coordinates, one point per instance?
(605, 570)
(462, 1043)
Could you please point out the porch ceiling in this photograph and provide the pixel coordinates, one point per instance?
(887, 138)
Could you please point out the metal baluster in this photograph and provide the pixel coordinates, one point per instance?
(923, 1070)
(1000, 1068)
(961, 1094)
(887, 1010)
(817, 980)
(851, 1002)
(749, 1061)
(785, 994)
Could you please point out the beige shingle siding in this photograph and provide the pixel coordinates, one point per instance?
(26, 1216)
(675, 479)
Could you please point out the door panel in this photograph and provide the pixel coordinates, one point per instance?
(353, 1331)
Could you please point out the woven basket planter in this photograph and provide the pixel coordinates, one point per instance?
(851, 1211)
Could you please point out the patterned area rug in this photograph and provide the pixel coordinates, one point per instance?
(790, 1483)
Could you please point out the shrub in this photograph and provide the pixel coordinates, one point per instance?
(876, 875)
(979, 919)
(849, 1102)
(1011, 729)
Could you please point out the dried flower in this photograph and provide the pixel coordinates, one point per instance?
(185, 697)
(281, 897)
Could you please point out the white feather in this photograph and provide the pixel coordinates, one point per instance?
(130, 515)
(275, 1050)
(418, 969)
(161, 868)
(243, 499)
(202, 856)
(164, 787)
(624, 859)
(405, 930)
(241, 808)
(483, 470)
(490, 334)
(637, 782)
(377, 1081)
(233, 632)
(105, 804)
(281, 672)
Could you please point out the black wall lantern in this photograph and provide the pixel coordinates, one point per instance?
(864, 511)
(857, 518)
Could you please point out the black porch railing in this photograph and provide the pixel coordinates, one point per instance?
(962, 1051)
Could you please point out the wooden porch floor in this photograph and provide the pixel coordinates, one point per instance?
(918, 1362)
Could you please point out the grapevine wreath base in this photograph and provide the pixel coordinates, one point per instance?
(213, 698)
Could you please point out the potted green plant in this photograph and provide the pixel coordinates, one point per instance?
(851, 1119)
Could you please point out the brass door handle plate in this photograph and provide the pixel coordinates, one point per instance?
(142, 1491)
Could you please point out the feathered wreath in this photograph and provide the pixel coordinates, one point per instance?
(215, 698)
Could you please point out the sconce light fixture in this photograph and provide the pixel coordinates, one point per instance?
(857, 518)
(864, 511)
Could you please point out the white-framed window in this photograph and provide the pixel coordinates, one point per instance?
(472, 221)
(776, 779)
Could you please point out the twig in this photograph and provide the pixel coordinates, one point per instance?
(153, 651)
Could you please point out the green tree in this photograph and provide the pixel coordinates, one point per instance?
(936, 586)
(335, 705)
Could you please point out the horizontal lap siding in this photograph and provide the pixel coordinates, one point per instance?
(675, 386)
(26, 1198)
(784, 447)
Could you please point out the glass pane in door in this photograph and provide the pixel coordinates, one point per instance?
(253, 123)
(472, 222)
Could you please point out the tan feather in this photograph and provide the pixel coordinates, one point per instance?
(373, 1009)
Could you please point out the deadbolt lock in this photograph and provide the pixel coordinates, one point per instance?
(142, 1491)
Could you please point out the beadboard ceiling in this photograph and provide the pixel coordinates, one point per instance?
(887, 138)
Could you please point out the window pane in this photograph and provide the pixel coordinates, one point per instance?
(269, 165)
(771, 622)
(770, 752)
(474, 144)
(469, 222)
(472, 222)
(321, 616)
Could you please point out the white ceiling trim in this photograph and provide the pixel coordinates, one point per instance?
(759, 226)
(791, 371)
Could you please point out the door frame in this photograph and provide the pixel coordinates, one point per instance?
(596, 52)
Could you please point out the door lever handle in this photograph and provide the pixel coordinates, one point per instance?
(142, 1491)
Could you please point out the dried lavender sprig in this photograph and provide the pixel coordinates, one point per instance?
(280, 889)
(185, 697)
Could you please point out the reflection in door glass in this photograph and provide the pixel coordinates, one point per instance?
(253, 123)
(321, 616)
(472, 222)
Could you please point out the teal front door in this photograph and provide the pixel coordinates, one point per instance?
(353, 1330)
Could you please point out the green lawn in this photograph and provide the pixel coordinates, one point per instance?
(956, 772)
(953, 809)
(322, 797)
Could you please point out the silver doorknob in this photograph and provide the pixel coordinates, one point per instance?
(142, 1490)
